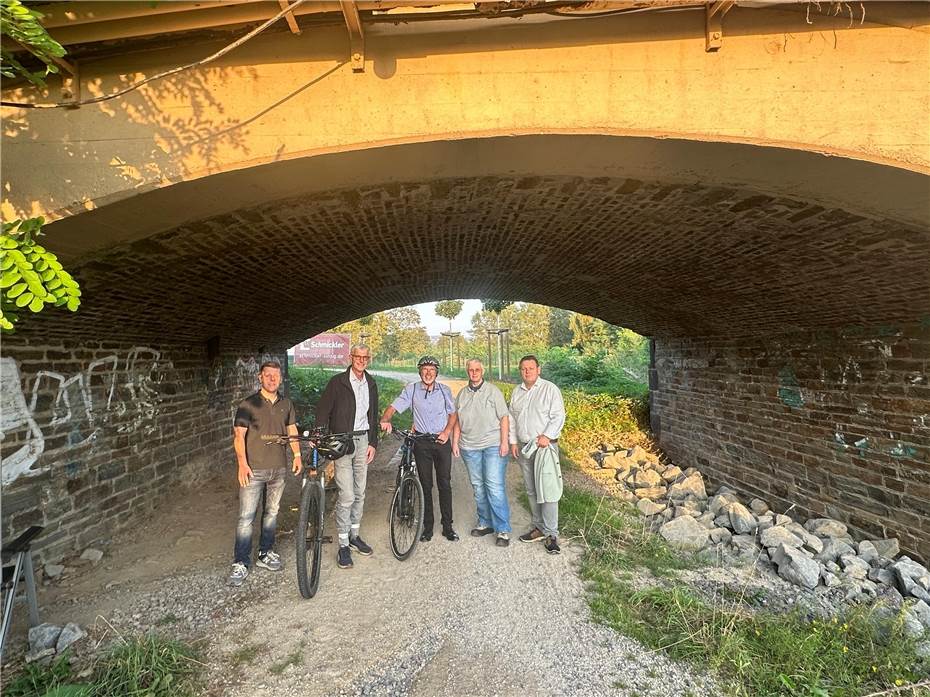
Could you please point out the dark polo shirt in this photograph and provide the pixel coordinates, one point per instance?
(263, 418)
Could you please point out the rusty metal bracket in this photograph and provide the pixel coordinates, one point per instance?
(713, 24)
(291, 22)
(356, 37)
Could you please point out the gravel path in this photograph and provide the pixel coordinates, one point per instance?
(463, 618)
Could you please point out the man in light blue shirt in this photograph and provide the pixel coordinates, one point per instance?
(433, 412)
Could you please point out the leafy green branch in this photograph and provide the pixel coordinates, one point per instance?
(31, 276)
(21, 24)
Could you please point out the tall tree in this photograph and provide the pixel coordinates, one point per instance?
(449, 309)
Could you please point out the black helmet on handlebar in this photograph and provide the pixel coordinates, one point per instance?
(334, 448)
(428, 360)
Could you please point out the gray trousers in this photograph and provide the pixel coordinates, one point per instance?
(351, 478)
(545, 515)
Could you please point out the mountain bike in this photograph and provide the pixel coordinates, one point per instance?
(308, 535)
(406, 516)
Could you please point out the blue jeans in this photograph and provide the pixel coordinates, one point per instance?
(267, 485)
(487, 470)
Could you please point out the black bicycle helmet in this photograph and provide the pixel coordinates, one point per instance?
(334, 448)
(428, 360)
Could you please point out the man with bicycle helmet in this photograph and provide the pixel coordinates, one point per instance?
(433, 412)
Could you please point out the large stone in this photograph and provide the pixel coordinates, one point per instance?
(43, 636)
(867, 552)
(92, 555)
(723, 521)
(70, 634)
(758, 507)
(719, 502)
(809, 540)
(920, 611)
(671, 473)
(53, 570)
(619, 462)
(685, 533)
(887, 549)
(798, 569)
(692, 485)
(913, 578)
(854, 566)
(651, 492)
(882, 576)
(646, 478)
(742, 521)
(826, 527)
(779, 535)
(833, 549)
(647, 507)
(637, 455)
(782, 519)
(706, 519)
(720, 536)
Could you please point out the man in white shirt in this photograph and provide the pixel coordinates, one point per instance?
(538, 414)
(350, 403)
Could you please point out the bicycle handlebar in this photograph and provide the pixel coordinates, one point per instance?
(401, 434)
(312, 437)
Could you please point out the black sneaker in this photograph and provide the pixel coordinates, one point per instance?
(344, 558)
(552, 545)
(426, 536)
(450, 535)
(533, 535)
(359, 545)
(481, 532)
(503, 539)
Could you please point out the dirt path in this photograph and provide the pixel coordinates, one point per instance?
(458, 618)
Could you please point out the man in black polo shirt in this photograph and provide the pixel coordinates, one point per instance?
(262, 468)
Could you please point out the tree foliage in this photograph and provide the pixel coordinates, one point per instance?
(30, 276)
(21, 24)
(449, 309)
(496, 306)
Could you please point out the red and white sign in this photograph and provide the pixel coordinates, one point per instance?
(324, 349)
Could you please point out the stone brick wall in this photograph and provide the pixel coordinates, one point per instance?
(95, 434)
(834, 423)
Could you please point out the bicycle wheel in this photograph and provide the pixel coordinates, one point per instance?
(406, 517)
(309, 538)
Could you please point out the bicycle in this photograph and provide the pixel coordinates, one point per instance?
(406, 513)
(308, 535)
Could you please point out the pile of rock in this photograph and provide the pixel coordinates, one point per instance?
(49, 640)
(821, 552)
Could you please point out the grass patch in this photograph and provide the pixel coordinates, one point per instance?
(754, 654)
(246, 655)
(149, 666)
(294, 658)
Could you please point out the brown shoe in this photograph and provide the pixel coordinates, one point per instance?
(552, 545)
(534, 535)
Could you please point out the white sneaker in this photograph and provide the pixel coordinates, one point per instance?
(270, 560)
(238, 574)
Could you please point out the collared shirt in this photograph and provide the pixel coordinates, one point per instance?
(480, 412)
(534, 411)
(360, 387)
(262, 417)
(431, 409)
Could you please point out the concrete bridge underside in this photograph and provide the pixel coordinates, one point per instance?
(760, 212)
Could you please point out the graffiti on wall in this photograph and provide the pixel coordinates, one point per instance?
(230, 382)
(109, 391)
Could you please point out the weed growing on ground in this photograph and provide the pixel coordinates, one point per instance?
(757, 654)
(247, 654)
(150, 665)
(294, 658)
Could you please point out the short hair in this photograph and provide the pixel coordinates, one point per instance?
(474, 360)
(529, 357)
(270, 364)
(356, 347)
